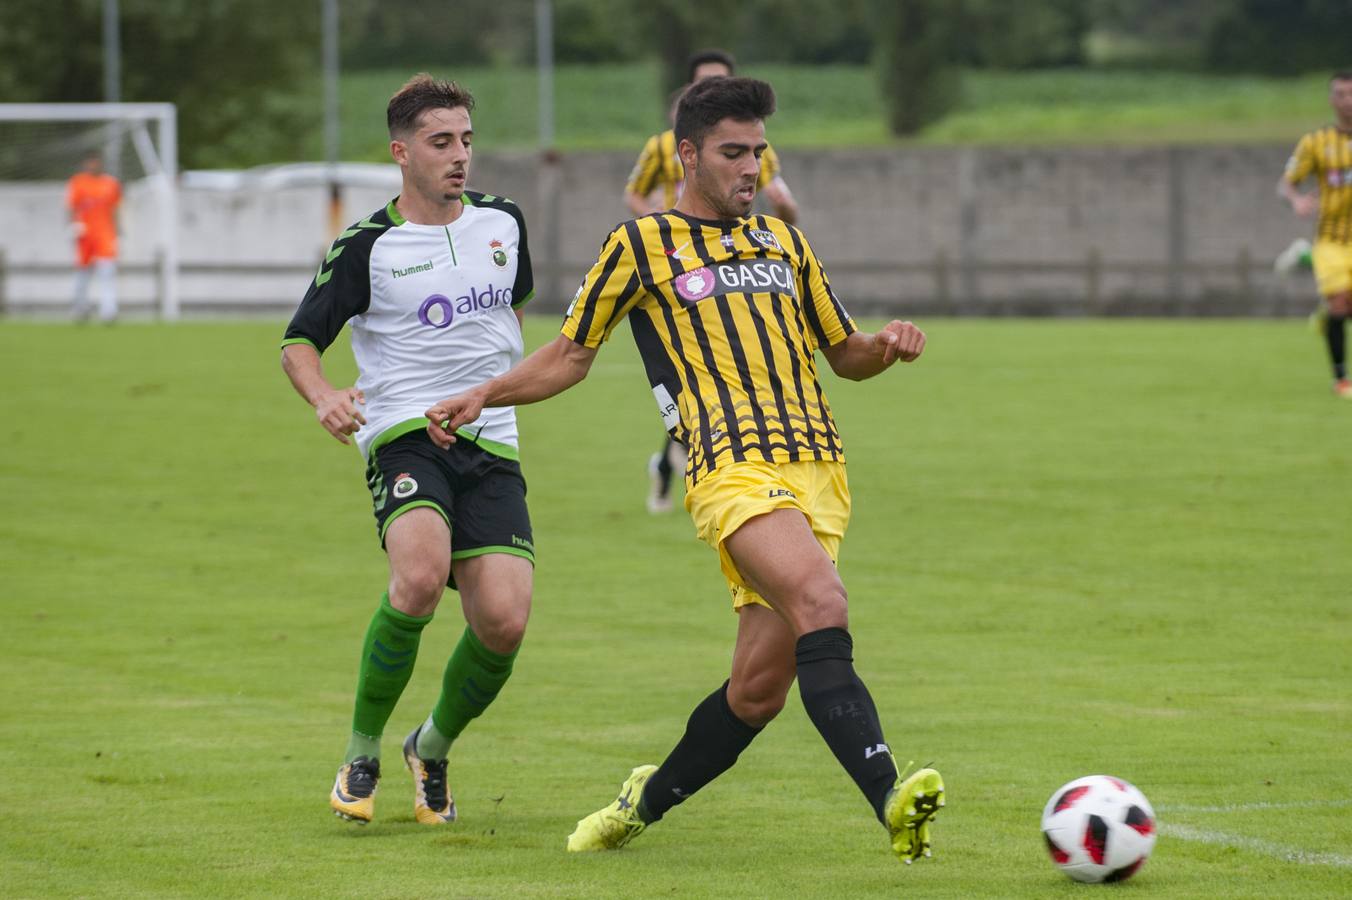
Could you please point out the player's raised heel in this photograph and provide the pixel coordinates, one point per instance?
(354, 790)
(910, 808)
(617, 824)
(432, 800)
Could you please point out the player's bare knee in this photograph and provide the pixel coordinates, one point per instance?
(503, 633)
(822, 603)
(416, 590)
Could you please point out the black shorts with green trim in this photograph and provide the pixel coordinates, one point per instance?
(482, 496)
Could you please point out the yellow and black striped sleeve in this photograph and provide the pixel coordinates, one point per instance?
(1303, 161)
(769, 167)
(644, 176)
(608, 292)
(828, 322)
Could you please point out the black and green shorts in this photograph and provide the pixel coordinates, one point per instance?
(481, 495)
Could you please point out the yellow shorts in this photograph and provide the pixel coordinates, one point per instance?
(1332, 267)
(738, 492)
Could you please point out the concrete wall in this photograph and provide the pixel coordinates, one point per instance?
(988, 230)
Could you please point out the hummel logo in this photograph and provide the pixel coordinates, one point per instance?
(676, 254)
(870, 752)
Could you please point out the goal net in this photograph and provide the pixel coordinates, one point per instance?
(44, 144)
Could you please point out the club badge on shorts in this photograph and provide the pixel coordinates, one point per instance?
(404, 485)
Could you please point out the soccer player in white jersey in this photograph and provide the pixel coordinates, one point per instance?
(432, 285)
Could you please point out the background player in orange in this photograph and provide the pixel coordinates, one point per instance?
(92, 197)
(1326, 155)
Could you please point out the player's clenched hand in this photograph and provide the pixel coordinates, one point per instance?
(899, 341)
(337, 412)
(1305, 205)
(445, 416)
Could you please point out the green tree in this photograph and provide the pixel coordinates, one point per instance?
(998, 34)
(243, 73)
(806, 31)
(1280, 37)
(915, 58)
(434, 34)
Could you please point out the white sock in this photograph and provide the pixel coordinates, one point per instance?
(80, 308)
(106, 269)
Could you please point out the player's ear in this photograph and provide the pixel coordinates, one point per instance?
(399, 150)
(688, 152)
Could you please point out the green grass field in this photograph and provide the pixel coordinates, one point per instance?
(1077, 547)
(827, 106)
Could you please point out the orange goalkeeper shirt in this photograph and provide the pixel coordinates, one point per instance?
(93, 200)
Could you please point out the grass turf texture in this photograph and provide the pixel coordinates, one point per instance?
(1077, 547)
(828, 106)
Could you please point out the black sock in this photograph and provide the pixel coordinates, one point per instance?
(714, 738)
(664, 469)
(840, 706)
(1336, 335)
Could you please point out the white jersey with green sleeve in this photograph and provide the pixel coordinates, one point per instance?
(432, 309)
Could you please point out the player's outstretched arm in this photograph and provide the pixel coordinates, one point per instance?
(863, 355)
(550, 370)
(336, 408)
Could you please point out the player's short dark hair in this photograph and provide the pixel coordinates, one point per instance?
(1341, 75)
(708, 56)
(708, 102)
(419, 94)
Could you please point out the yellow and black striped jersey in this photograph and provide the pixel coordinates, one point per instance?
(727, 316)
(1327, 155)
(659, 166)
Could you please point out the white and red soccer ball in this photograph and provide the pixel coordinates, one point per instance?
(1099, 828)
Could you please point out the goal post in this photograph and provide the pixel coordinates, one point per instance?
(138, 139)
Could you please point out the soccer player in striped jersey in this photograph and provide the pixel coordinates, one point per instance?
(1326, 155)
(659, 169)
(729, 313)
(433, 285)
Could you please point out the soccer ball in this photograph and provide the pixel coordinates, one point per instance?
(1099, 828)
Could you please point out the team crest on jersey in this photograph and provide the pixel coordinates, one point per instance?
(499, 255)
(404, 485)
(766, 239)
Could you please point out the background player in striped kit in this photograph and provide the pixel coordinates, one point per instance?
(1326, 155)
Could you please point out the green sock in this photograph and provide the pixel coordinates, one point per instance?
(387, 657)
(474, 675)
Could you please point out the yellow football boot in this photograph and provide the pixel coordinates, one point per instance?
(354, 791)
(616, 825)
(432, 800)
(909, 809)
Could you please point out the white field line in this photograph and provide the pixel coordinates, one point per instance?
(1246, 807)
(1255, 845)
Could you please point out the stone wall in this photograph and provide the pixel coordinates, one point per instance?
(966, 231)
